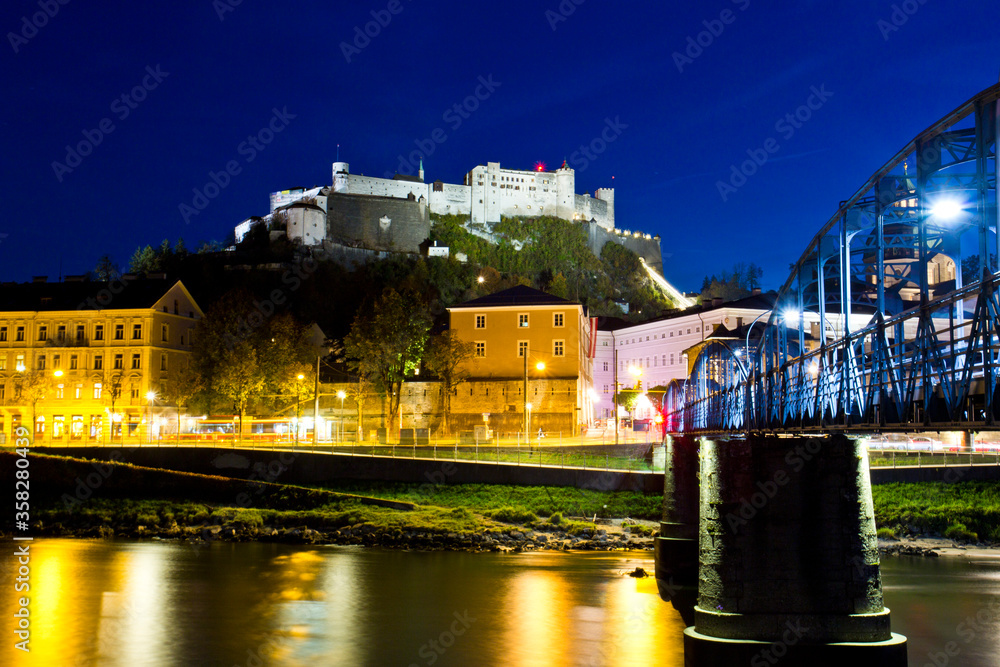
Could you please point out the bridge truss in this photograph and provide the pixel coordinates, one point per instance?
(890, 318)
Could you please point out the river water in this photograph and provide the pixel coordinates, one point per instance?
(168, 603)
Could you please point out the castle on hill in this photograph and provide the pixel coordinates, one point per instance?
(394, 213)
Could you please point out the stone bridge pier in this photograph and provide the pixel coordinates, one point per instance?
(787, 557)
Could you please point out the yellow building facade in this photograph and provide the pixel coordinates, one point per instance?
(88, 363)
(511, 333)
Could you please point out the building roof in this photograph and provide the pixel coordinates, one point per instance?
(752, 302)
(127, 293)
(517, 296)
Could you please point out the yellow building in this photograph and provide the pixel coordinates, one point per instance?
(512, 332)
(90, 362)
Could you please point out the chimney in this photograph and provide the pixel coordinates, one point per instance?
(716, 302)
(755, 291)
(39, 279)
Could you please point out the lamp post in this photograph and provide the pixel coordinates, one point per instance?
(150, 397)
(298, 398)
(341, 395)
(527, 406)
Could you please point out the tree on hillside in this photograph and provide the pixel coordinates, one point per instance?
(386, 342)
(732, 285)
(446, 357)
(144, 260)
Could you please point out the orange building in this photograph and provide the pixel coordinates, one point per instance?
(513, 332)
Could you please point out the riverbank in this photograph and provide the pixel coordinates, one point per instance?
(84, 498)
(81, 498)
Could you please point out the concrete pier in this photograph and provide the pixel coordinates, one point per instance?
(676, 548)
(789, 565)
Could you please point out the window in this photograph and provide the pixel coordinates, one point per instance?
(671, 359)
(80, 335)
(163, 362)
(164, 333)
(41, 362)
(95, 425)
(56, 361)
(654, 362)
(39, 426)
(136, 332)
(76, 427)
(480, 321)
(19, 366)
(99, 332)
(557, 319)
(3, 391)
(97, 389)
(73, 362)
(689, 330)
(522, 320)
(61, 333)
(664, 360)
(605, 366)
(671, 334)
(59, 392)
(480, 348)
(58, 426)
(19, 335)
(3, 362)
(3, 334)
(135, 393)
(119, 362)
(77, 391)
(98, 362)
(135, 361)
(119, 332)
(522, 348)
(558, 348)
(43, 332)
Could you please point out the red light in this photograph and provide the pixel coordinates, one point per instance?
(539, 166)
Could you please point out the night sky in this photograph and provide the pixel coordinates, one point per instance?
(201, 78)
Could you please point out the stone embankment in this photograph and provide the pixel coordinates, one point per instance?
(516, 539)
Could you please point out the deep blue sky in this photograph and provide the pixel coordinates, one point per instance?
(557, 88)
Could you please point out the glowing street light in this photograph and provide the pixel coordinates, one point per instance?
(58, 373)
(947, 209)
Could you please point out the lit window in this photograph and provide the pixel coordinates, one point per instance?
(97, 390)
(59, 391)
(522, 320)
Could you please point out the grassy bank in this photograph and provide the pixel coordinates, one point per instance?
(966, 511)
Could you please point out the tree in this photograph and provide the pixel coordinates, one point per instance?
(446, 357)
(386, 342)
(31, 386)
(106, 270)
(242, 356)
(185, 385)
(144, 260)
(732, 285)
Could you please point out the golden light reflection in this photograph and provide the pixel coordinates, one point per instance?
(538, 609)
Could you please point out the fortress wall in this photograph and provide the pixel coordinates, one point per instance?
(383, 187)
(355, 220)
(589, 208)
(648, 249)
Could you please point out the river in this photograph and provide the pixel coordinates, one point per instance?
(169, 603)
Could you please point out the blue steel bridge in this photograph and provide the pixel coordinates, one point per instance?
(890, 319)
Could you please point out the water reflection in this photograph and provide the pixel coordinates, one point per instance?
(159, 603)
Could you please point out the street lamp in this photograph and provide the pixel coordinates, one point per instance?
(527, 406)
(341, 395)
(298, 393)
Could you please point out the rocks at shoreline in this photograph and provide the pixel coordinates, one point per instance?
(514, 540)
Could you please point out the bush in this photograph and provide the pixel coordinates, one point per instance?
(556, 518)
(511, 515)
(886, 534)
(958, 531)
